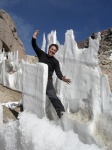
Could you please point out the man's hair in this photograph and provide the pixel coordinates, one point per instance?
(54, 45)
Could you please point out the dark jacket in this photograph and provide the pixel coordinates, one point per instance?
(52, 62)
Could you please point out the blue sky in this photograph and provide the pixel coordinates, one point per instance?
(82, 16)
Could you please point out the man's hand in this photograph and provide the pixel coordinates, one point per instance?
(35, 34)
(66, 80)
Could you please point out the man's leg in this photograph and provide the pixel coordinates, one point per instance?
(54, 99)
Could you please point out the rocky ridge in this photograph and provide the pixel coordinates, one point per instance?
(9, 39)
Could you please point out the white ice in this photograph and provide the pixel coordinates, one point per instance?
(87, 100)
(32, 133)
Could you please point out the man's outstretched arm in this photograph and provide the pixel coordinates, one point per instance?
(37, 50)
(60, 75)
(67, 80)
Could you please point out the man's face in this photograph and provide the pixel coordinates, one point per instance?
(52, 51)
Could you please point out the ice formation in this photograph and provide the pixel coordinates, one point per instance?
(87, 100)
(33, 133)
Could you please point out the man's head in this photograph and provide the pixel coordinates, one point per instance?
(53, 48)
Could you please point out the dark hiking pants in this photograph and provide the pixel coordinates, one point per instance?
(50, 91)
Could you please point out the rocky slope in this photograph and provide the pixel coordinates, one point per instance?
(9, 40)
(7, 95)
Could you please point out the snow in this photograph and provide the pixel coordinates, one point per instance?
(86, 99)
(34, 88)
(32, 133)
(1, 114)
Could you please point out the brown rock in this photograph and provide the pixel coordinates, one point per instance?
(7, 95)
(9, 39)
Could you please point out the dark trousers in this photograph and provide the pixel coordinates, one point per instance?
(50, 91)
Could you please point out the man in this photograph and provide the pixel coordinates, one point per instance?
(53, 65)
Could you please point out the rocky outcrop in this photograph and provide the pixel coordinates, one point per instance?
(105, 51)
(9, 40)
(7, 95)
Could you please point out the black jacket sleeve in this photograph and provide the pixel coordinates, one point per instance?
(57, 70)
(37, 50)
